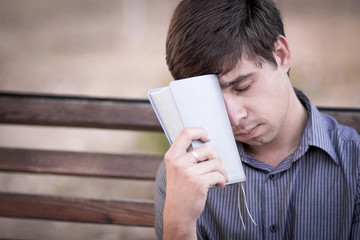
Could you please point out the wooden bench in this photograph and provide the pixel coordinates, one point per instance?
(70, 111)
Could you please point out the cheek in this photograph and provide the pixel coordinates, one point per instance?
(272, 100)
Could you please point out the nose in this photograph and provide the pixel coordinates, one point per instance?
(236, 109)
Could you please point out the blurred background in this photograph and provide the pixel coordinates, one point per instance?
(115, 48)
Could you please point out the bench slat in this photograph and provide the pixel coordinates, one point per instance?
(74, 209)
(129, 166)
(50, 110)
(110, 113)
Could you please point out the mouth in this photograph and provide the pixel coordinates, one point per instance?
(246, 133)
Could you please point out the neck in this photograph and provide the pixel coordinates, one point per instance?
(288, 138)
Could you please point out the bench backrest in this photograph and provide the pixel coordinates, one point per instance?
(129, 114)
(70, 111)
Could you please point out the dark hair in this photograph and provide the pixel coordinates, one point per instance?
(211, 36)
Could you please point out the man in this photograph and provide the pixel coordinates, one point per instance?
(302, 167)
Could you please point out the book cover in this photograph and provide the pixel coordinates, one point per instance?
(198, 102)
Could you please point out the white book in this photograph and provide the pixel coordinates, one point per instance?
(198, 102)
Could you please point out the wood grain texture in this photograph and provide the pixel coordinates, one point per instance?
(74, 209)
(126, 166)
(50, 110)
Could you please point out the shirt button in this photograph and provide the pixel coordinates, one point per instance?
(273, 228)
(273, 176)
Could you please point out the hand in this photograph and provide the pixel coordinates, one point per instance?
(188, 179)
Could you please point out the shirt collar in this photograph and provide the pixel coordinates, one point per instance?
(316, 132)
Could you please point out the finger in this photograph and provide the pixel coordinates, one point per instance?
(209, 166)
(206, 153)
(183, 141)
(203, 153)
(195, 155)
(188, 159)
(214, 178)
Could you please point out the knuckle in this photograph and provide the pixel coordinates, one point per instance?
(216, 165)
(185, 133)
(176, 166)
(220, 179)
(172, 162)
(167, 157)
(210, 153)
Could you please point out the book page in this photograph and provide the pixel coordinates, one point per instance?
(167, 112)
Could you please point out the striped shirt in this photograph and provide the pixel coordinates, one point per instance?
(312, 194)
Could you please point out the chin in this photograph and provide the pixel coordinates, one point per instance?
(257, 141)
(253, 142)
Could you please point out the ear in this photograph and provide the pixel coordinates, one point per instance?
(282, 53)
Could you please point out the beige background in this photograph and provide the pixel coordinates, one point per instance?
(116, 49)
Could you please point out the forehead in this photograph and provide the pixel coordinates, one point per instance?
(243, 67)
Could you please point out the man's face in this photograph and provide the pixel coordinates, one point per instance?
(257, 100)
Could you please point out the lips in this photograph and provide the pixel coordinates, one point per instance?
(245, 131)
(245, 134)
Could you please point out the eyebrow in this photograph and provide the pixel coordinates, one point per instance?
(236, 80)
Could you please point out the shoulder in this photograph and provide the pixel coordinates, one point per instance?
(345, 143)
(339, 132)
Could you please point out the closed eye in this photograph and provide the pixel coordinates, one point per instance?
(242, 90)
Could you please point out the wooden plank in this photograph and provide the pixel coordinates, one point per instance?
(74, 209)
(129, 166)
(111, 113)
(52, 110)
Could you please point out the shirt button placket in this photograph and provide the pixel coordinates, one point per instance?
(271, 200)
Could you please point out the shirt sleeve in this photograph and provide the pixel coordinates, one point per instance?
(355, 227)
(159, 200)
